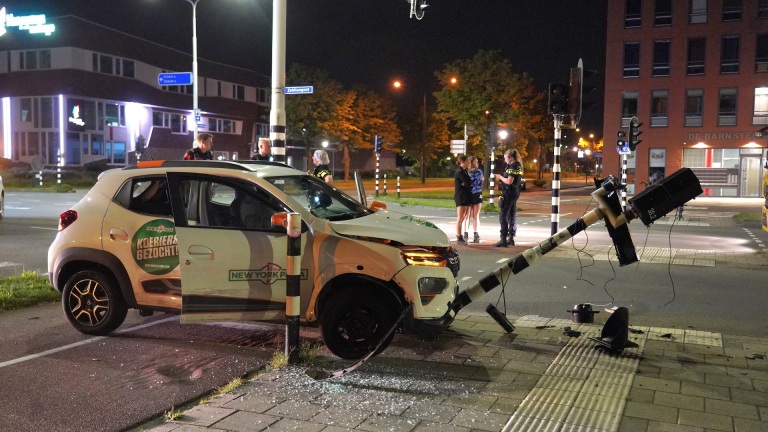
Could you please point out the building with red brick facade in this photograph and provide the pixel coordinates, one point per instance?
(695, 74)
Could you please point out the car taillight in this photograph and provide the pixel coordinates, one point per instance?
(66, 219)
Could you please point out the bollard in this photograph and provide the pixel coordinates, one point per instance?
(40, 176)
(377, 174)
(385, 185)
(293, 288)
(398, 187)
(491, 178)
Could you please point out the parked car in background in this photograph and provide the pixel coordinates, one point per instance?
(199, 238)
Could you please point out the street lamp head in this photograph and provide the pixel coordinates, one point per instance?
(325, 144)
(503, 134)
(397, 84)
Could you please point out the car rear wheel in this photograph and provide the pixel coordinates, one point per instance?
(92, 303)
(354, 321)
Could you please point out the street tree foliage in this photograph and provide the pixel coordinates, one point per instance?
(436, 148)
(347, 118)
(488, 92)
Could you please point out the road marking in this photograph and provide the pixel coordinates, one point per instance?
(81, 343)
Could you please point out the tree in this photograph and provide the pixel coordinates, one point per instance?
(327, 112)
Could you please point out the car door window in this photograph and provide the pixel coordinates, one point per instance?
(213, 202)
(146, 195)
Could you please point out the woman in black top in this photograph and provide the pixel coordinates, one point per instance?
(462, 195)
(509, 181)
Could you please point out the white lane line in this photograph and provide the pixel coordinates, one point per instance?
(81, 343)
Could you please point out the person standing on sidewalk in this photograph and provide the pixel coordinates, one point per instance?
(462, 195)
(476, 175)
(509, 181)
(203, 149)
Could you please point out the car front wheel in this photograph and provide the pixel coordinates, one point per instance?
(354, 321)
(92, 303)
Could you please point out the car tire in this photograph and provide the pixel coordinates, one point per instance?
(93, 303)
(353, 321)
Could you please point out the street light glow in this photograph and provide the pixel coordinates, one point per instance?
(503, 134)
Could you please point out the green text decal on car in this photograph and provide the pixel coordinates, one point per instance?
(155, 248)
(418, 220)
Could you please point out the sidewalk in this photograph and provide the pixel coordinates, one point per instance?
(545, 376)
(538, 378)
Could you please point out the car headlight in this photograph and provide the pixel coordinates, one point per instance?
(430, 287)
(423, 258)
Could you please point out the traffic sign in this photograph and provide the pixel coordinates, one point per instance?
(299, 90)
(458, 146)
(174, 78)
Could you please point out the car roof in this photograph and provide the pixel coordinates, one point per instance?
(155, 167)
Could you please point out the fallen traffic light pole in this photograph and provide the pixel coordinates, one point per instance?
(648, 206)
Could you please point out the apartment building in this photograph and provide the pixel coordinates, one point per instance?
(695, 74)
(88, 94)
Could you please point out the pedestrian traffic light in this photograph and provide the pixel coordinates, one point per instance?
(378, 143)
(621, 143)
(634, 133)
(558, 98)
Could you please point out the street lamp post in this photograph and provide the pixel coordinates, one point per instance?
(195, 109)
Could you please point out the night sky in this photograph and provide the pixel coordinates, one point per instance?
(367, 41)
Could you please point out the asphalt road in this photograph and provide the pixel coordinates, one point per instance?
(57, 379)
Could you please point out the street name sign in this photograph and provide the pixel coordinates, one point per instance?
(458, 146)
(174, 78)
(300, 90)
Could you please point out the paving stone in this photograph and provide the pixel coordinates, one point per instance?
(425, 426)
(204, 415)
(705, 390)
(746, 425)
(669, 427)
(733, 409)
(480, 420)
(384, 422)
(729, 381)
(336, 416)
(431, 411)
(669, 386)
(706, 420)
(749, 397)
(243, 421)
(651, 412)
(695, 403)
(298, 410)
(632, 424)
(287, 425)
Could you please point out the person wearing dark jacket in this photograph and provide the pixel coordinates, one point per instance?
(263, 153)
(203, 149)
(509, 181)
(462, 195)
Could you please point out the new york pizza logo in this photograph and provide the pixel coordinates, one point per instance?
(267, 275)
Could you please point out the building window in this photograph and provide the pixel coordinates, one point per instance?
(694, 107)
(25, 110)
(49, 112)
(662, 13)
(729, 55)
(114, 114)
(238, 92)
(661, 58)
(696, 56)
(631, 59)
(760, 114)
(628, 106)
(698, 14)
(178, 123)
(732, 10)
(161, 119)
(262, 129)
(223, 126)
(726, 111)
(128, 68)
(762, 8)
(659, 108)
(633, 16)
(761, 53)
(262, 95)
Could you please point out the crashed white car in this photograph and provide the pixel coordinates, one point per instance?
(197, 237)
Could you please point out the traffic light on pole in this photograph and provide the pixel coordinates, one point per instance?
(621, 142)
(378, 144)
(577, 90)
(558, 98)
(634, 133)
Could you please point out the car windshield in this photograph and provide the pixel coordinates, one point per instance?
(322, 200)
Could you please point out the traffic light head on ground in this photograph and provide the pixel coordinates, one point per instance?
(634, 133)
(558, 98)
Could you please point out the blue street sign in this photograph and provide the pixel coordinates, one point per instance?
(299, 90)
(174, 78)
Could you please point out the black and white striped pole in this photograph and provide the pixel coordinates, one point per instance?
(556, 175)
(624, 180)
(377, 174)
(398, 187)
(293, 288)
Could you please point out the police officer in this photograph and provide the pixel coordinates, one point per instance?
(509, 181)
(320, 159)
(203, 149)
(263, 153)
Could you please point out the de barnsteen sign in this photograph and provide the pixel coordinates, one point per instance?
(31, 23)
(720, 135)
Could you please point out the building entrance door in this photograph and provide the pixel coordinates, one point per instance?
(750, 177)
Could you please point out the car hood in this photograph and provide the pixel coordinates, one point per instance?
(399, 227)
